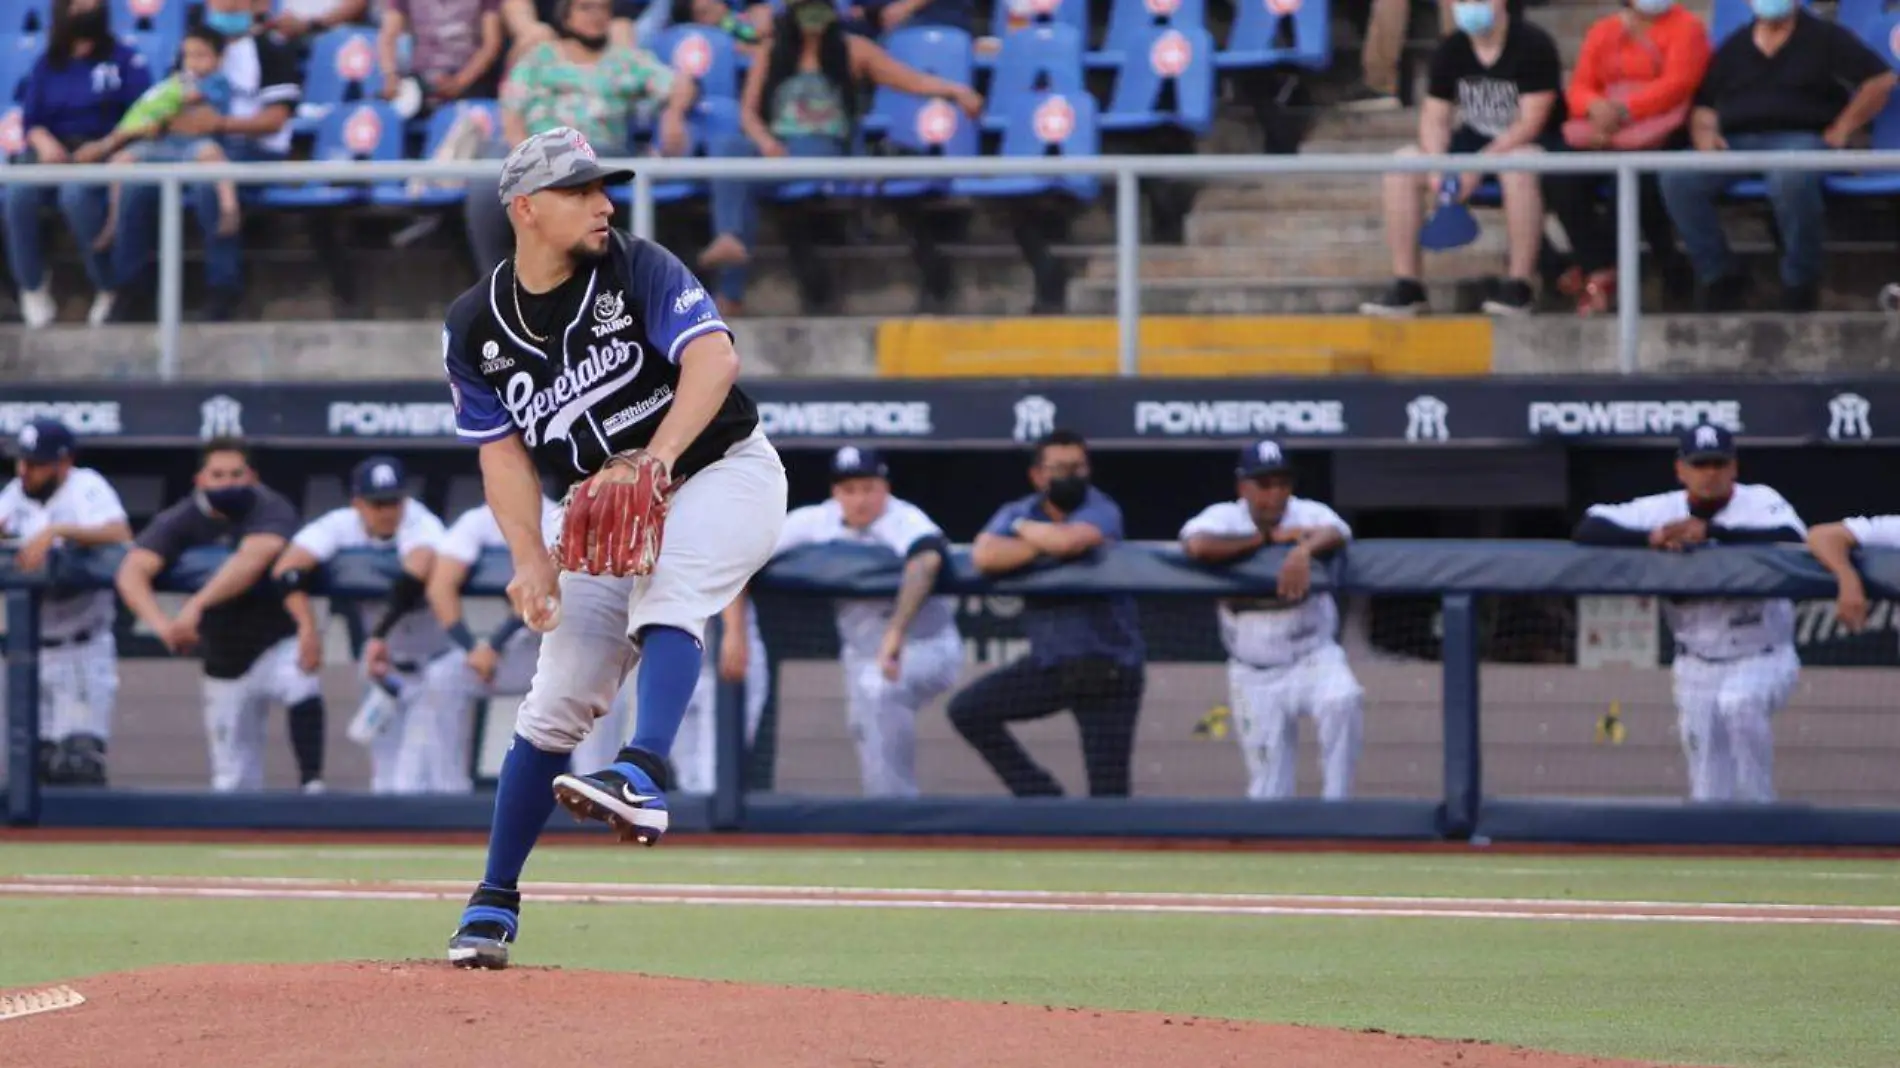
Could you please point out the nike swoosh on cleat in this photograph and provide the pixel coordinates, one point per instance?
(631, 798)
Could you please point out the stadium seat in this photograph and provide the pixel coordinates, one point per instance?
(398, 194)
(1272, 33)
(926, 126)
(1046, 58)
(154, 27)
(26, 17)
(1130, 20)
(709, 121)
(1881, 30)
(343, 70)
(705, 53)
(359, 131)
(1071, 13)
(1163, 57)
(1037, 125)
(940, 50)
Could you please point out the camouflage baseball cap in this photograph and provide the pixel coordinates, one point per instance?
(559, 158)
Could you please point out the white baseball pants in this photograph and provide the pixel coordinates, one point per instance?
(1267, 706)
(234, 712)
(883, 714)
(1725, 712)
(79, 687)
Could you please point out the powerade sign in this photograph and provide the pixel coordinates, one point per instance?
(845, 419)
(1241, 418)
(1631, 418)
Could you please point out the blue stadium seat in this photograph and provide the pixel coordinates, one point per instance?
(1130, 20)
(1045, 58)
(1881, 31)
(940, 50)
(1037, 125)
(1071, 13)
(12, 128)
(397, 194)
(706, 53)
(708, 122)
(1257, 39)
(359, 131)
(154, 27)
(343, 70)
(926, 126)
(1163, 56)
(26, 16)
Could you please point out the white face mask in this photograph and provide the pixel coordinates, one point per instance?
(1652, 7)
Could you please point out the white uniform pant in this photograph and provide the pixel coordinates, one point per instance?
(1268, 704)
(385, 747)
(720, 529)
(437, 731)
(79, 686)
(235, 711)
(882, 714)
(1724, 710)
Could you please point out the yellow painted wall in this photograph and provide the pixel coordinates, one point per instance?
(1185, 346)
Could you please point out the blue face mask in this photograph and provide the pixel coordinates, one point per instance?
(231, 502)
(1474, 17)
(1771, 9)
(229, 23)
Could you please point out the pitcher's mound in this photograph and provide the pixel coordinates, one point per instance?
(385, 1015)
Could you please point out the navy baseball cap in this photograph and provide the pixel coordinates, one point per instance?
(1263, 457)
(1706, 442)
(379, 478)
(44, 441)
(854, 462)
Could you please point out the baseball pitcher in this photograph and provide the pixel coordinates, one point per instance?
(1283, 656)
(1735, 662)
(601, 357)
(898, 655)
(236, 621)
(406, 636)
(53, 503)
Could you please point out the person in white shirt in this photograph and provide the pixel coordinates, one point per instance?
(1833, 544)
(434, 754)
(52, 503)
(406, 636)
(899, 654)
(1284, 659)
(1735, 663)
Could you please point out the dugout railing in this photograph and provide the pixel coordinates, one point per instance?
(1467, 581)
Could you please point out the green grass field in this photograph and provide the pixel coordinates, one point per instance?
(1737, 994)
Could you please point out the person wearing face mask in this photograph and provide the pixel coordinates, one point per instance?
(456, 46)
(53, 503)
(1630, 92)
(235, 622)
(1789, 82)
(1494, 91)
(583, 80)
(1086, 654)
(76, 93)
(265, 87)
(1283, 655)
(801, 100)
(531, 22)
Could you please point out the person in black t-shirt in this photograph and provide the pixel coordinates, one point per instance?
(236, 621)
(1494, 90)
(1789, 82)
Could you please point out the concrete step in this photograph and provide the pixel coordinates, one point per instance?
(1265, 264)
(1226, 296)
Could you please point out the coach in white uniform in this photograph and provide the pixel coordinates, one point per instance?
(1833, 544)
(437, 730)
(898, 654)
(1284, 659)
(379, 515)
(53, 504)
(1735, 662)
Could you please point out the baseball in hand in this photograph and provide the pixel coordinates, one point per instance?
(547, 618)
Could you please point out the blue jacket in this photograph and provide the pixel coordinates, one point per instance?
(85, 99)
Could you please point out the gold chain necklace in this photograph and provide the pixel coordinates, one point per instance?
(514, 290)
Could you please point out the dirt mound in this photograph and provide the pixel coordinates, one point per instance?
(374, 1015)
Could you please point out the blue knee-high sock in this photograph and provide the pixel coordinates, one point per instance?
(669, 669)
(524, 798)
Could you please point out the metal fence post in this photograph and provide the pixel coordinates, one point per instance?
(1629, 265)
(642, 206)
(171, 274)
(1464, 776)
(1128, 270)
(23, 707)
(728, 800)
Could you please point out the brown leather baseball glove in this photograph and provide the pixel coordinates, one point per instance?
(616, 518)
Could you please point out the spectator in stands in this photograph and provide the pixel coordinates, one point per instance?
(1085, 653)
(265, 87)
(533, 22)
(75, 93)
(298, 19)
(584, 81)
(236, 621)
(457, 44)
(1388, 22)
(1791, 82)
(1493, 92)
(1630, 92)
(801, 101)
